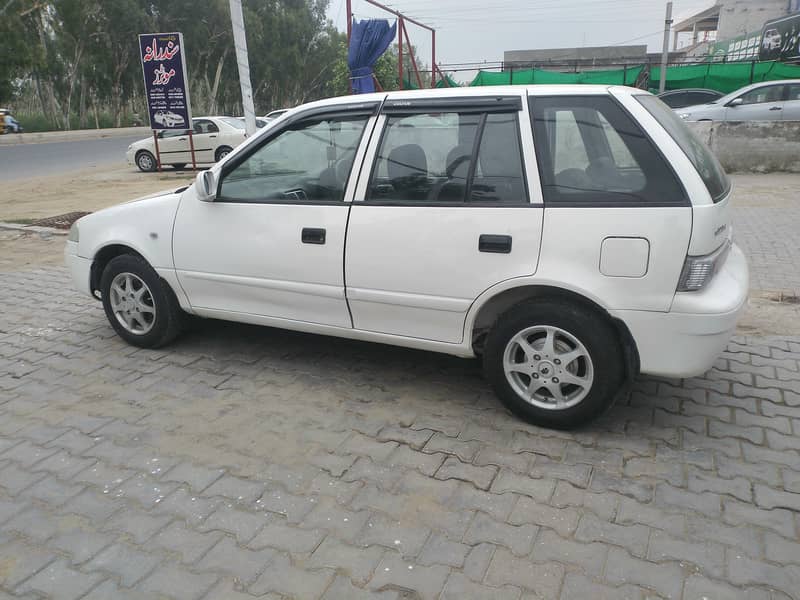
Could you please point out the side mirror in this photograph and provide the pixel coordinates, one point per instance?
(206, 186)
(735, 102)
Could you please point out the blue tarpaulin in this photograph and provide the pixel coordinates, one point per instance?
(369, 39)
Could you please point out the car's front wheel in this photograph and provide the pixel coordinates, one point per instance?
(140, 306)
(554, 364)
(145, 161)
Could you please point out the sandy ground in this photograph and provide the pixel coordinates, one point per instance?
(767, 313)
(87, 190)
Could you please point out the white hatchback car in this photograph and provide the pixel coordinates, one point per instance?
(213, 139)
(572, 236)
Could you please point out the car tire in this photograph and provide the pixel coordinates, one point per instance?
(222, 152)
(178, 166)
(532, 377)
(140, 306)
(146, 161)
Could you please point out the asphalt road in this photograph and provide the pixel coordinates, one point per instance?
(51, 158)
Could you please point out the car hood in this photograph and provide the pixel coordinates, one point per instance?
(177, 191)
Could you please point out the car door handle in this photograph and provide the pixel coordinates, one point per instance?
(312, 235)
(776, 108)
(497, 244)
(181, 139)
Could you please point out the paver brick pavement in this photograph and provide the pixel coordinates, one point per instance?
(245, 461)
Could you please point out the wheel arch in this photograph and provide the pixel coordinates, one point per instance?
(102, 257)
(486, 312)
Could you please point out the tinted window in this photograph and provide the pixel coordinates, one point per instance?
(591, 152)
(794, 92)
(310, 160)
(205, 126)
(772, 93)
(675, 100)
(431, 158)
(498, 173)
(702, 97)
(701, 157)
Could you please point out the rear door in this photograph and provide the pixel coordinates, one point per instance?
(617, 220)
(441, 213)
(791, 107)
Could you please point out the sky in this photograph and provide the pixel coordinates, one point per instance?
(471, 31)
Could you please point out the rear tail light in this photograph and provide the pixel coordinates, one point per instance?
(699, 270)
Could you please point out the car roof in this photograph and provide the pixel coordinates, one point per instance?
(478, 91)
(760, 84)
(704, 90)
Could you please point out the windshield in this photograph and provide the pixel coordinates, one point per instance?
(704, 161)
(233, 122)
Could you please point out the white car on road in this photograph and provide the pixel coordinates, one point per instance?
(571, 236)
(213, 138)
(167, 118)
(770, 101)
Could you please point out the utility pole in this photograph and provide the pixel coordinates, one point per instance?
(240, 42)
(665, 53)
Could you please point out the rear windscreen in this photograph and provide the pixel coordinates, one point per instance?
(703, 160)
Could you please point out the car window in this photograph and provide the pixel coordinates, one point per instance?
(431, 158)
(772, 93)
(707, 165)
(591, 152)
(170, 133)
(202, 126)
(675, 100)
(499, 174)
(701, 97)
(309, 161)
(794, 92)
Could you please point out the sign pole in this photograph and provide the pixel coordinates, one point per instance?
(158, 154)
(191, 147)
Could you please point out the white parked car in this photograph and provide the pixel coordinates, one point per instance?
(213, 138)
(770, 101)
(167, 118)
(572, 236)
(272, 115)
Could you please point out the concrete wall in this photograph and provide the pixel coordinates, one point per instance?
(748, 16)
(753, 147)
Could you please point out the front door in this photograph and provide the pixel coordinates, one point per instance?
(443, 214)
(272, 243)
(205, 135)
(173, 147)
(761, 104)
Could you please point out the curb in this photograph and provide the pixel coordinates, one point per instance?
(43, 137)
(33, 229)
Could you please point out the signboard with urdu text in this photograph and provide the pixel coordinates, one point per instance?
(165, 80)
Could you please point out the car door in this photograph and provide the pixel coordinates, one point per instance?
(272, 242)
(760, 104)
(442, 213)
(173, 146)
(205, 136)
(791, 107)
(617, 220)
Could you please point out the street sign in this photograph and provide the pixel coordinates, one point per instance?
(165, 81)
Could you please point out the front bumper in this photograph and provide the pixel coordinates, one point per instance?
(130, 156)
(686, 341)
(80, 268)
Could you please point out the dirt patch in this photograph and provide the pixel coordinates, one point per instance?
(82, 191)
(21, 251)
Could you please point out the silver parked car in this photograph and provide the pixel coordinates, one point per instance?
(770, 101)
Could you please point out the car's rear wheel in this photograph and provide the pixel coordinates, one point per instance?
(145, 161)
(222, 152)
(554, 364)
(140, 306)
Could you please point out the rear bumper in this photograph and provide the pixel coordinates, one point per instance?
(686, 341)
(80, 268)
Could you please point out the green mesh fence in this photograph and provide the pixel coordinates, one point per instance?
(723, 77)
(536, 76)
